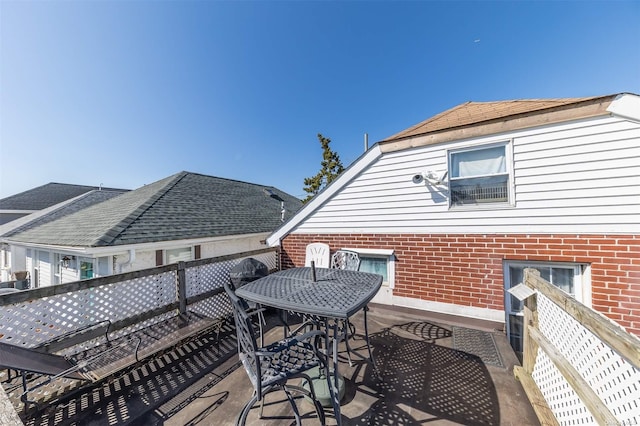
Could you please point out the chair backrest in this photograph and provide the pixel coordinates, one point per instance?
(247, 343)
(319, 253)
(345, 259)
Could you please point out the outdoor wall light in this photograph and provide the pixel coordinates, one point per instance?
(65, 261)
(430, 177)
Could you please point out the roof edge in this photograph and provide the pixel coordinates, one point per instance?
(627, 106)
(591, 107)
(111, 234)
(11, 228)
(326, 194)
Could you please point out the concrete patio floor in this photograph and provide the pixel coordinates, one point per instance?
(423, 378)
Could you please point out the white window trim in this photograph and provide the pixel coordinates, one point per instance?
(508, 153)
(581, 283)
(391, 260)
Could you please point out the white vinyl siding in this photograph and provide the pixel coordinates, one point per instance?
(102, 264)
(574, 177)
(43, 265)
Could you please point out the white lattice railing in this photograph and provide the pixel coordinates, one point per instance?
(579, 367)
(128, 301)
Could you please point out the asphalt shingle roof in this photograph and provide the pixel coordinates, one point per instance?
(183, 206)
(85, 200)
(44, 196)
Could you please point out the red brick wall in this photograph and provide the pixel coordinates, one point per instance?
(467, 269)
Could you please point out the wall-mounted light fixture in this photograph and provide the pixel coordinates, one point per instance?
(430, 177)
(65, 261)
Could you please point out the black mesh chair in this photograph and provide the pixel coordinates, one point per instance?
(350, 260)
(269, 368)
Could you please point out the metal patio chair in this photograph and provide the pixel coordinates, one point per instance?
(350, 260)
(345, 259)
(270, 367)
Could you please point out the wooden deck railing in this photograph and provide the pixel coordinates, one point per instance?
(579, 367)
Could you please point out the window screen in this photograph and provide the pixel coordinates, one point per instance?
(479, 176)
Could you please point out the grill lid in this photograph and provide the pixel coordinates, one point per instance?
(247, 270)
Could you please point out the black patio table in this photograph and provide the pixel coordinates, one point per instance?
(335, 294)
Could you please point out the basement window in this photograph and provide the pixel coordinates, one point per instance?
(480, 175)
(377, 261)
(569, 277)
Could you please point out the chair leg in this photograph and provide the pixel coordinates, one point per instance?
(296, 413)
(348, 334)
(242, 417)
(261, 320)
(311, 394)
(319, 410)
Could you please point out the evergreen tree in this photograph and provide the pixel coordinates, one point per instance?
(330, 170)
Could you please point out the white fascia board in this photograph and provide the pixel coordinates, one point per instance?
(110, 250)
(626, 105)
(316, 202)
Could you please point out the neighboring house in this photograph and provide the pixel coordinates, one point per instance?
(549, 183)
(182, 217)
(40, 198)
(8, 268)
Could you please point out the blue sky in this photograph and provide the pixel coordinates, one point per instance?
(124, 93)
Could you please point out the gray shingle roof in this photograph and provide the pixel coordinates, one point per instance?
(40, 218)
(44, 196)
(183, 206)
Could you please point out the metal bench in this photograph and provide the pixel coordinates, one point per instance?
(90, 359)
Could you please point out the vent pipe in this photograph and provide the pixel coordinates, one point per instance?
(366, 142)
